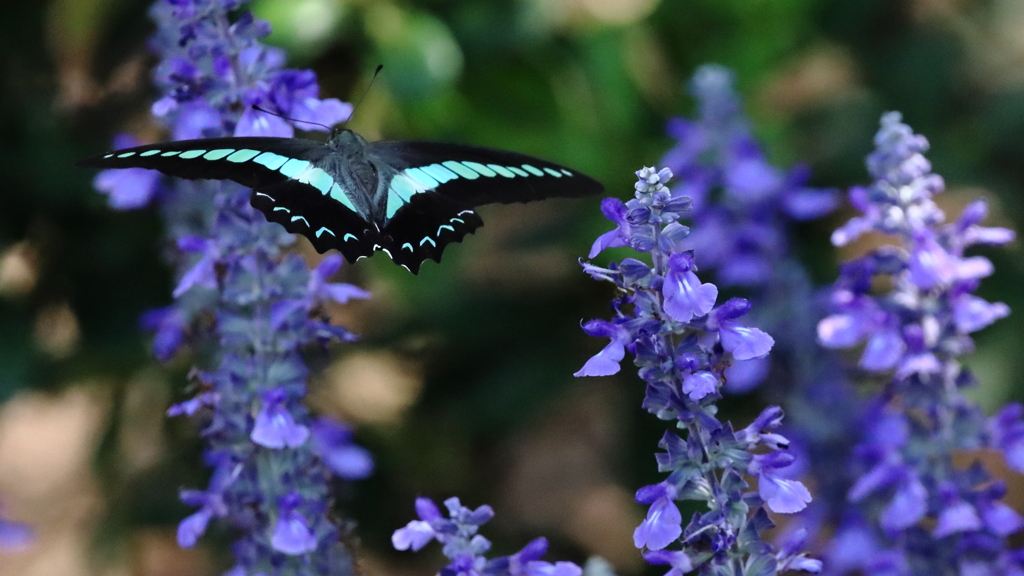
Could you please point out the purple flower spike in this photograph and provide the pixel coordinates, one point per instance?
(910, 497)
(684, 347)
(275, 426)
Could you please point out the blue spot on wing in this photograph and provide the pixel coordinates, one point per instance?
(189, 154)
(270, 160)
(439, 173)
(218, 154)
(243, 155)
(293, 166)
(501, 170)
(480, 168)
(464, 171)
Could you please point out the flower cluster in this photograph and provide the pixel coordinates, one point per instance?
(913, 511)
(744, 212)
(272, 462)
(465, 548)
(683, 344)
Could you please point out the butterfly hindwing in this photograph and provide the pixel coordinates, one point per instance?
(326, 222)
(423, 228)
(434, 186)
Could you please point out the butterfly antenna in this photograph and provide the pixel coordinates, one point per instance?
(365, 92)
(265, 111)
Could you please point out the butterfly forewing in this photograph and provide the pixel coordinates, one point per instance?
(289, 184)
(474, 176)
(252, 162)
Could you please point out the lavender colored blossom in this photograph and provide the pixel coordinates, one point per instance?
(912, 510)
(272, 463)
(465, 548)
(743, 217)
(667, 319)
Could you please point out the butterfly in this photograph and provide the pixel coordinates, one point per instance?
(407, 199)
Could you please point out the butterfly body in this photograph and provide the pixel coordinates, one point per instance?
(407, 199)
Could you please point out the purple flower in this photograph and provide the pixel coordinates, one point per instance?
(211, 503)
(782, 495)
(292, 534)
(679, 561)
(697, 385)
(541, 568)
(685, 295)
(414, 536)
(320, 288)
(957, 516)
(743, 342)
(275, 426)
(332, 441)
(605, 362)
(170, 324)
(127, 189)
(663, 523)
(614, 210)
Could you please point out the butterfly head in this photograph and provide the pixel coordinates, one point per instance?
(345, 138)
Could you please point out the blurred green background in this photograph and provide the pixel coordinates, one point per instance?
(462, 384)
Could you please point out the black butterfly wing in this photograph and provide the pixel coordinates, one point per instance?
(288, 177)
(435, 186)
(475, 176)
(423, 227)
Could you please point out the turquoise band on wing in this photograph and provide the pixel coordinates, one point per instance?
(412, 181)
